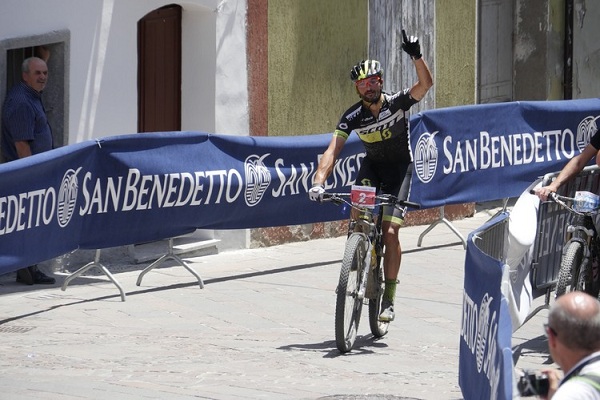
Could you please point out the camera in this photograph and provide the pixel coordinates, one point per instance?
(532, 384)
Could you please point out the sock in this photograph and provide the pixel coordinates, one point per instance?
(390, 289)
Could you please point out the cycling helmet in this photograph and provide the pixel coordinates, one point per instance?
(365, 69)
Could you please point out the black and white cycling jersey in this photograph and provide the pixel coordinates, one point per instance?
(386, 138)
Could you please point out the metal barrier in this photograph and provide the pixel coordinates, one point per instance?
(493, 240)
(552, 222)
(550, 237)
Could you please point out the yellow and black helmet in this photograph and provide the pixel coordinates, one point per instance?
(365, 69)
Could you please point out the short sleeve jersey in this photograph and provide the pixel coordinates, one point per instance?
(24, 119)
(386, 138)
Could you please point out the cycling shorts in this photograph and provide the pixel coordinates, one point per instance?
(394, 179)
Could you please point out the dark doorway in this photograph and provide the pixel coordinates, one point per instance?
(496, 51)
(159, 70)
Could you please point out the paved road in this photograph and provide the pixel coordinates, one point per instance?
(262, 328)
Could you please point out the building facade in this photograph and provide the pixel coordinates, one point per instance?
(280, 67)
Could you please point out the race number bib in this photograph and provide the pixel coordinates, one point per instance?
(363, 196)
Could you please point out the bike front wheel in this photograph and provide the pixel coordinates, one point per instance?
(587, 282)
(568, 274)
(348, 306)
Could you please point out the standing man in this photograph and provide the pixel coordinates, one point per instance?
(573, 331)
(381, 122)
(25, 131)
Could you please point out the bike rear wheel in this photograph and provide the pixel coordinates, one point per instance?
(568, 275)
(378, 328)
(348, 306)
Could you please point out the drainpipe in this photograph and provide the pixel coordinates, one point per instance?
(568, 51)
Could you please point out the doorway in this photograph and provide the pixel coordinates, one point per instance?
(495, 51)
(159, 70)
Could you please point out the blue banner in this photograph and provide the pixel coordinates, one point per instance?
(485, 358)
(143, 187)
(138, 188)
(494, 151)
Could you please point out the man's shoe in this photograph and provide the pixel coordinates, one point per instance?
(39, 278)
(24, 276)
(387, 311)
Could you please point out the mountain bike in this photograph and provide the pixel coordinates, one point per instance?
(579, 269)
(361, 278)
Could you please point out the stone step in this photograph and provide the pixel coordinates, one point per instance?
(183, 246)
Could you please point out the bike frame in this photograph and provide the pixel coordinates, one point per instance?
(369, 226)
(362, 256)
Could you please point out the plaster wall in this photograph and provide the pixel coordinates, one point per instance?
(103, 60)
(313, 44)
(586, 49)
(455, 52)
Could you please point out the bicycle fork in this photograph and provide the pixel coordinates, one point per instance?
(582, 230)
(365, 272)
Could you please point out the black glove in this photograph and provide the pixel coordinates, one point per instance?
(411, 46)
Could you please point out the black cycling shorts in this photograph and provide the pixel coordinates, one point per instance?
(394, 179)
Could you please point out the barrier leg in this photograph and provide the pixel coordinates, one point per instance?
(444, 220)
(544, 306)
(169, 255)
(96, 263)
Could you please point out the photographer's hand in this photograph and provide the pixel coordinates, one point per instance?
(554, 377)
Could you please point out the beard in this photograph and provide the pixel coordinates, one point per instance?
(371, 96)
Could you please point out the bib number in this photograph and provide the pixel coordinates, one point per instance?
(363, 196)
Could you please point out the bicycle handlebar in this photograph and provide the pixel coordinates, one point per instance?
(563, 200)
(554, 196)
(384, 200)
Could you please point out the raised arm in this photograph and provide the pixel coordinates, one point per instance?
(424, 79)
(425, 82)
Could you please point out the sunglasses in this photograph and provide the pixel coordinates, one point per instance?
(371, 81)
(549, 329)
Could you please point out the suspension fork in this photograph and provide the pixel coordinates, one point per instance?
(581, 229)
(365, 271)
(368, 229)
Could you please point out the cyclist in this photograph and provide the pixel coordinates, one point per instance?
(381, 122)
(574, 166)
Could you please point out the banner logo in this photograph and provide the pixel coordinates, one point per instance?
(426, 157)
(258, 179)
(67, 197)
(585, 130)
(479, 332)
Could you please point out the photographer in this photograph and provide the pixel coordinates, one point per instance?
(573, 331)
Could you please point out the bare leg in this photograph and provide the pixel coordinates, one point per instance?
(391, 266)
(393, 252)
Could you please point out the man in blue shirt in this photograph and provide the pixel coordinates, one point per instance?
(25, 132)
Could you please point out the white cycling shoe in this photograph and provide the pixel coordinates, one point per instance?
(387, 311)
